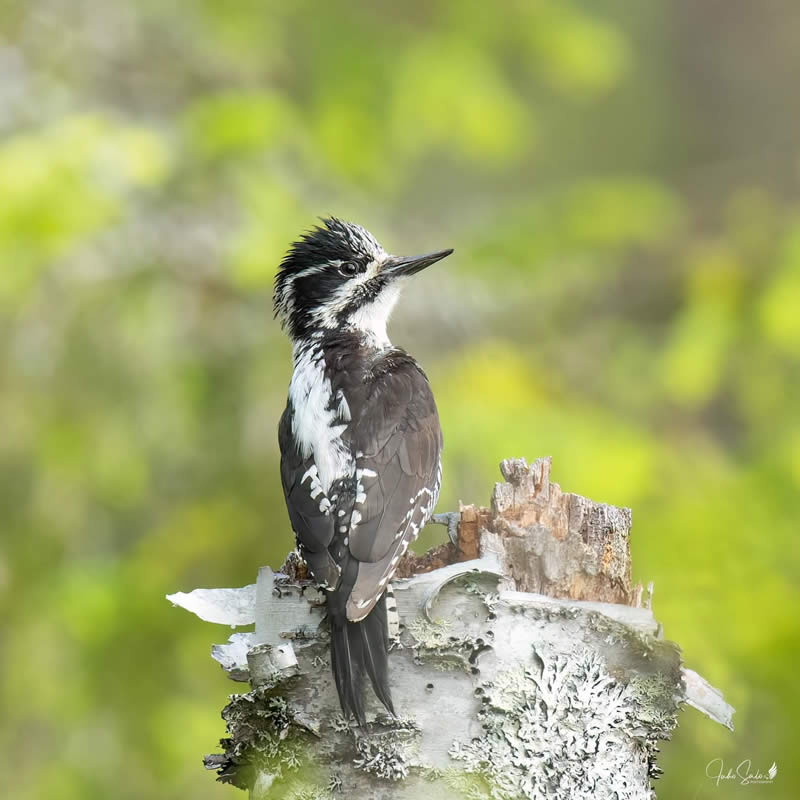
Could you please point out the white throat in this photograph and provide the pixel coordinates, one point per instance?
(370, 320)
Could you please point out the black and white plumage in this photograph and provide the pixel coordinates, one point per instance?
(360, 438)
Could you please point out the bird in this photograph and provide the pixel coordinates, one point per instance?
(360, 439)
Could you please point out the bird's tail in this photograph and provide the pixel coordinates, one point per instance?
(359, 648)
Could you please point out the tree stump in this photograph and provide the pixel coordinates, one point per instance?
(525, 665)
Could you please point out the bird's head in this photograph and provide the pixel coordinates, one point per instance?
(337, 277)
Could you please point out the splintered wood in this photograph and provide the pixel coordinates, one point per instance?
(548, 541)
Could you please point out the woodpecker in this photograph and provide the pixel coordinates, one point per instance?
(360, 439)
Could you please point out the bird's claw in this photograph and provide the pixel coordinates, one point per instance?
(451, 519)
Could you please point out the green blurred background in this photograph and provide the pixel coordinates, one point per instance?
(620, 182)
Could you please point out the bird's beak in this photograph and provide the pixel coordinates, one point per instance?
(404, 266)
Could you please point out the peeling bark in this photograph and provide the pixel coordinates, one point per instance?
(526, 667)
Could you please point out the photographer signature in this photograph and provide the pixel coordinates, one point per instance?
(715, 769)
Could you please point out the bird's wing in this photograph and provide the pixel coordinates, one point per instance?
(397, 442)
(308, 506)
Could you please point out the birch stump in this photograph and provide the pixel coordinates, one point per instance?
(525, 665)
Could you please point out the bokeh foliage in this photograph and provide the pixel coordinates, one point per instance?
(622, 194)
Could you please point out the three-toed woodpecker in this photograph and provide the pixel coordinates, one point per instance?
(360, 438)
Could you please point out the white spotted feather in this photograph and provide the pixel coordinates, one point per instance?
(317, 423)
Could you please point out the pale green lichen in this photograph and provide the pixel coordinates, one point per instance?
(429, 634)
(341, 724)
(658, 698)
(264, 738)
(306, 791)
(434, 644)
(617, 634)
(480, 584)
(564, 727)
(387, 760)
(468, 786)
(387, 750)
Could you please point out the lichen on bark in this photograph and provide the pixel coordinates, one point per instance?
(544, 725)
(501, 694)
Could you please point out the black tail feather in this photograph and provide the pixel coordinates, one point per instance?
(346, 675)
(359, 649)
(375, 646)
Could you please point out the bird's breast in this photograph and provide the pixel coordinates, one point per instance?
(320, 417)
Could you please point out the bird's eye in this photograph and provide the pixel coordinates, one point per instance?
(348, 269)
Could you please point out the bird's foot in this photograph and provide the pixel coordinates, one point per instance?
(451, 519)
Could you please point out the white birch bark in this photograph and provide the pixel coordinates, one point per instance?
(501, 691)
